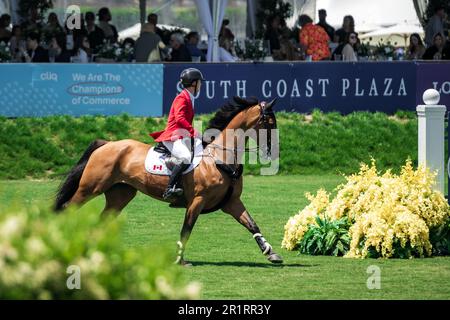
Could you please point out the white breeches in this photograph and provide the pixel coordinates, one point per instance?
(179, 149)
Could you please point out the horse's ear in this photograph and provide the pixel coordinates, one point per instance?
(270, 104)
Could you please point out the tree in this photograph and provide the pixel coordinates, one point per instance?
(41, 5)
(270, 8)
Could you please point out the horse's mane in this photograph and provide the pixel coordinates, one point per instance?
(226, 113)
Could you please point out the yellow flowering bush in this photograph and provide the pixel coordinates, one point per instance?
(389, 215)
(40, 252)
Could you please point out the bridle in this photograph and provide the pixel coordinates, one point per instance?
(264, 115)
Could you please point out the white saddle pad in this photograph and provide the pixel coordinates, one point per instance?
(155, 162)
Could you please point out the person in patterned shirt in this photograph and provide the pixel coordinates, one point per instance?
(314, 39)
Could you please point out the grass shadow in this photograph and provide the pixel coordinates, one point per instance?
(251, 264)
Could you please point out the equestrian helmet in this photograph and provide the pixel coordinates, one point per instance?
(189, 76)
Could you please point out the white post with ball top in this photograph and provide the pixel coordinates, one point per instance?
(431, 135)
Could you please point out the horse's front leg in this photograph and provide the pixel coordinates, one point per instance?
(192, 214)
(237, 209)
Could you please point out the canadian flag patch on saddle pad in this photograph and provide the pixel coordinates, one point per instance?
(155, 162)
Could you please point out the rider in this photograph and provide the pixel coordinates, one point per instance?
(179, 131)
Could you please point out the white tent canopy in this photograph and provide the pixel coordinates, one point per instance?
(369, 15)
(135, 31)
(396, 34)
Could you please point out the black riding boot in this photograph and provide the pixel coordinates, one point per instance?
(172, 190)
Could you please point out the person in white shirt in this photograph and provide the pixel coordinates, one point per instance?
(349, 50)
(81, 50)
(225, 49)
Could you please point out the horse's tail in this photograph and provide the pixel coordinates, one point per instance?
(70, 185)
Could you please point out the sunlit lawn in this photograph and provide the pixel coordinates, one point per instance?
(227, 260)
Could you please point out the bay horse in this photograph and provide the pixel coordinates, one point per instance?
(116, 169)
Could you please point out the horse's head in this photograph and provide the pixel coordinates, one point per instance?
(263, 120)
(244, 118)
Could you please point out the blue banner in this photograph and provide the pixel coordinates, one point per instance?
(434, 75)
(80, 89)
(301, 87)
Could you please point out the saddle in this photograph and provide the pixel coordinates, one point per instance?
(159, 162)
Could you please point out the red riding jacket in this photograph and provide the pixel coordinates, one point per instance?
(180, 119)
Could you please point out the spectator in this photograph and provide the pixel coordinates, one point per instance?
(35, 52)
(128, 42)
(179, 50)
(446, 51)
(74, 33)
(5, 33)
(32, 24)
(152, 18)
(435, 25)
(323, 23)
(436, 51)
(313, 39)
(348, 25)
(16, 44)
(288, 51)
(225, 32)
(58, 51)
(416, 48)
(94, 33)
(52, 27)
(109, 30)
(81, 50)
(192, 45)
(225, 51)
(272, 33)
(349, 50)
(148, 45)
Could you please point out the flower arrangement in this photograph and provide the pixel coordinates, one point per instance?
(114, 52)
(252, 50)
(364, 50)
(385, 50)
(38, 250)
(389, 216)
(126, 53)
(109, 51)
(5, 52)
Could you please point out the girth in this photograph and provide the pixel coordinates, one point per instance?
(234, 173)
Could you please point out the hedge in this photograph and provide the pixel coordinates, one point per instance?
(320, 143)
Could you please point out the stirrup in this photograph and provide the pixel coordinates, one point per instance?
(172, 192)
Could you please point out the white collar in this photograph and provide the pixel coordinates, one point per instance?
(192, 97)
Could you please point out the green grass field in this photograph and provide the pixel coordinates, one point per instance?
(228, 263)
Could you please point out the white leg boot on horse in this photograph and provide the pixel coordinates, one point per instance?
(237, 209)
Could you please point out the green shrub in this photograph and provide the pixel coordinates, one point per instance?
(326, 237)
(37, 247)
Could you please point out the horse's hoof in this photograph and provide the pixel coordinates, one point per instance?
(185, 263)
(275, 258)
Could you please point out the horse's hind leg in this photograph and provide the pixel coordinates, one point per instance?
(237, 209)
(117, 197)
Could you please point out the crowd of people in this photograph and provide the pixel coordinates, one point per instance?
(35, 41)
(51, 41)
(321, 41)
